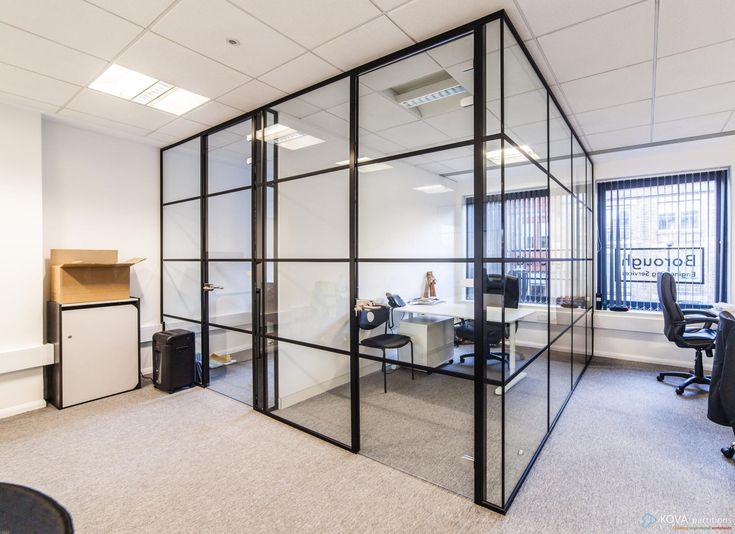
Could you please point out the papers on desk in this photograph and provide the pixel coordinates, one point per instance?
(429, 301)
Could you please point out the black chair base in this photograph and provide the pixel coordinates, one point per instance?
(693, 377)
(729, 452)
(491, 356)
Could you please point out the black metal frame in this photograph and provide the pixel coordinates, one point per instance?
(476, 30)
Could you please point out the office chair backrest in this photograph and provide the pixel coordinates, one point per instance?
(496, 295)
(673, 317)
(373, 318)
(725, 328)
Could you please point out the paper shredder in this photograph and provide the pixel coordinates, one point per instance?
(173, 359)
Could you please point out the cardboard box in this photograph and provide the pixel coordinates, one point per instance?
(89, 275)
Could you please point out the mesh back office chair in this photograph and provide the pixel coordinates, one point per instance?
(372, 318)
(721, 408)
(496, 294)
(27, 511)
(680, 327)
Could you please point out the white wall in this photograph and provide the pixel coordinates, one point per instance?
(22, 349)
(637, 335)
(101, 191)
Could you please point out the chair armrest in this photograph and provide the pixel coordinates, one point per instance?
(706, 313)
(707, 321)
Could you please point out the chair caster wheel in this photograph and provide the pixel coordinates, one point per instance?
(679, 391)
(660, 378)
(728, 452)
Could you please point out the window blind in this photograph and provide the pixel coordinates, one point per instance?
(675, 223)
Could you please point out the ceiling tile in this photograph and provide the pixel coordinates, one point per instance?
(73, 23)
(599, 45)
(541, 63)
(158, 57)
(456, 124)
(27, 103)
(31, 85)
(213, 113)
(314, 22)
(369, 41)
(296, 107)
(43, 56)
(182, 128)
(117, 109)
(142, 12)
(730, 126)
(399, 73)
(620, 138)
(372, 145)
(616, 117)
(414, 135)
(387, 5)
(206, 26)
(422, 19)
(697, 102)
(689, 127)
(684, 25)
(379, 113)
(299, 73)
(163, 138)
(330, 95)
(697, 68)
(85, 118)
(544, 16)
(620, 86)
(251, 95)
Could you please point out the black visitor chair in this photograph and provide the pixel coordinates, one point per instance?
(372, 318)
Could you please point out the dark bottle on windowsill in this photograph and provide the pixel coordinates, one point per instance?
(598, 301)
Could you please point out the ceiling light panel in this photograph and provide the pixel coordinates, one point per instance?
(141, 89)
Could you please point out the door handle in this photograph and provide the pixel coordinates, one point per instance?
(211, 287)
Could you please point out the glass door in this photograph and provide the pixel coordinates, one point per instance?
(228, 273)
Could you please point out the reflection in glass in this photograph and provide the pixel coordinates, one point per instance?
(182, 289)
(180, 233)
(231, 305)
(560, 373)
(230, 158)
(560, 147)
(421, 101)
(231, 364)
(229, 234)
(181, 166)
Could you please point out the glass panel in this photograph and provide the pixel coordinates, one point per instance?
(493, 212)
(313, 216)
(411, 208)
(578, 347)
(409, 281)
(229, 158)
(231, 364)
(579, 171)
(525, 104)
(590, 185)
(560, 222)
(492, 78)
(232, 304)
(525, 420)
(181, 234)
(421, 101)
(494, 440)
(181, 166)
(311, 132)
(560, 146)
(182, 289)
(423, 424)
(314, 390)
(589, 340)
(560, 291)
(314, 303)
(229, 234)
(560, 375)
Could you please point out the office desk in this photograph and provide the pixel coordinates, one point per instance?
(466, 310)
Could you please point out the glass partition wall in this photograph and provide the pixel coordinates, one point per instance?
(443, 184)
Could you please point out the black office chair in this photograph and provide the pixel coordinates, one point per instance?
(498, 294)
(680, 327)
(372, 318)
(721, 408)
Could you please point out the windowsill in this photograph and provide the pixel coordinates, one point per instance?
(631, 321)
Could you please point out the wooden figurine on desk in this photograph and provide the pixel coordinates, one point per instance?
(430, 290)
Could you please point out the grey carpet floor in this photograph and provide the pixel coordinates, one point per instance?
(197, 461)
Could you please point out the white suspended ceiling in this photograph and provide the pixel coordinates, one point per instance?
(626, 72)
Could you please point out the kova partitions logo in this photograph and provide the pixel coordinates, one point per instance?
(686, 522)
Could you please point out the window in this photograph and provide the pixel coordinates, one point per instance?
(526, 238)
(675, 224)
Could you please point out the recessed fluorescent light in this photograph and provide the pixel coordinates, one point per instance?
(141, 89)
(301, 141)
(286, 137)
(433, 96)
(375, 167)
(178, 101)
(347, 162)
(433, 189)
(466, 102)
(122, 82)
(512, 155)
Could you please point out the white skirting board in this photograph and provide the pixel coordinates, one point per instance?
(22, 408)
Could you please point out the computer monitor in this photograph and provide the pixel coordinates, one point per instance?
(494, 295)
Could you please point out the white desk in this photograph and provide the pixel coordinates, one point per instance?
(466, 310)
